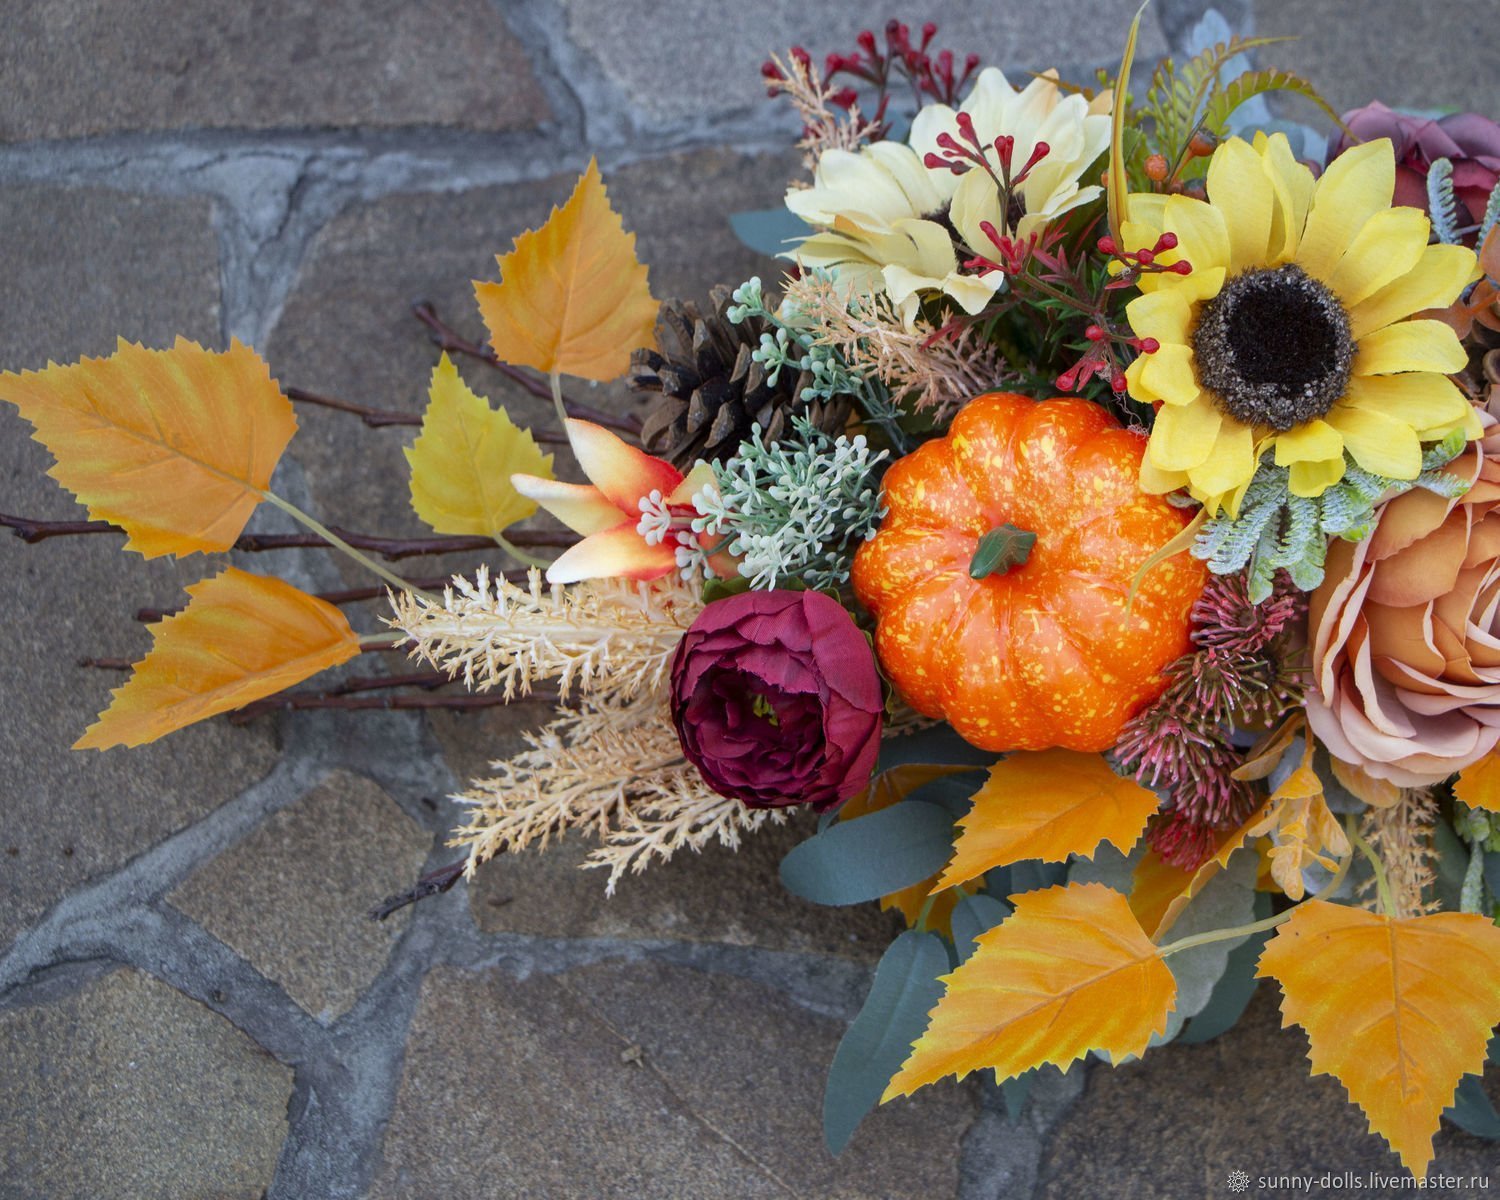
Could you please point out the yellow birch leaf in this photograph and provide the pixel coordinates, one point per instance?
(240, 637)
(891, 785)
(462, 461)
(1160, 891)
(175, 446)
(1068, 972)
(1479, 785)
(1397, 1010)
(572, 296)
(1048, 805)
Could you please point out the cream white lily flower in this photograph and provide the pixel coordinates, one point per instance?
(882, 215)
(1074, 131)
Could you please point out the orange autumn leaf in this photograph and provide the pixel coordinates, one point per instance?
(888, 787)
(1397, 1010)
(175, 446)
(1070, 971)
(1048, 805)
(572, 297)
(1160, 891)
(1479, 785)
(240, 637)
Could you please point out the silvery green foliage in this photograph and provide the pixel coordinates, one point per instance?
(1441, 202)
(1443, 205)
(1491, 216)
(1276, 530)
(793, 347)
(796, 509)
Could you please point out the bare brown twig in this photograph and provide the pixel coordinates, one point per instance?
(383, 418)
(449, 339)
(29, 530)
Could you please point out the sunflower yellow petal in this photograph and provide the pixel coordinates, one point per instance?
(1439, 275)
(1293, 185)
(1314, 478)
(1164, 315)
(1357, 184)
(1157, 482)
(1231, 464)
(1242, 193)
(1199, 285)
(1202, 237)
(1314, 441)
(1386, 248)
(1410, 346)
(1169, 375)
(1184, 436)
(1430, 403)
(1379, 442)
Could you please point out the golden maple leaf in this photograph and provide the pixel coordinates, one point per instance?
(1068, 972)
(1398, 1010)
(572, 297)
(1479, 785)
(176, 446)
(462, 461)
(1048, 805)
(240, 637)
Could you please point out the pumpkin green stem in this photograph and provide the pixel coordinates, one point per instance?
(1002, 548)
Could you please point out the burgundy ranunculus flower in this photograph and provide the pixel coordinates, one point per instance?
(777, 701)
(1469, 141)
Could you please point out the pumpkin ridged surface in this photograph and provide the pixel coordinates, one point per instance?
(1043, 655)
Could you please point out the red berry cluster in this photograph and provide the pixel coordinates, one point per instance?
(931, 74)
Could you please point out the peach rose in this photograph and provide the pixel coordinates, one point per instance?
(1405, 632)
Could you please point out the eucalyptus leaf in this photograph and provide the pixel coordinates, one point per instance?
(1032, 875)
(1452, 862)
(876, 854)
(972, 916)
(1227, 900)
(1016, 1092)
(906, 989)
(1472, 1111)
(1231, 995)
(768, 230)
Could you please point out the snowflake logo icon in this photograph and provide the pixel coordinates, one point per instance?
(1239, 1181)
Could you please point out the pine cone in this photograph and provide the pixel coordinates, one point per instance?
(707, 391)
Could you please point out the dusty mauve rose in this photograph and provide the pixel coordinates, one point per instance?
(1405, 632)
(777, 701)
(1470, 141)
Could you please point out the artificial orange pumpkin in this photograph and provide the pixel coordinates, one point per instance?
(1001, 575)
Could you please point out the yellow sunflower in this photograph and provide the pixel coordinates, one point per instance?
(1293, 331)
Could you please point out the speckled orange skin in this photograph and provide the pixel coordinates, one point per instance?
(1042, 655)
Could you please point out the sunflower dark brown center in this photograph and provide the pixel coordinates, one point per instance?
(1274, 348)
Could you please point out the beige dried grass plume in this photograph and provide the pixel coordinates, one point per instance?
(611, 766)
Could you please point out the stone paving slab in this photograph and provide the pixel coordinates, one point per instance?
(144, 268)
(1430, 55)
(727, 43)
(293, 898)
(644, 1082)
(76, 68)
(127, 1088)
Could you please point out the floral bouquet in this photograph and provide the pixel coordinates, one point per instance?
(1098, 528)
